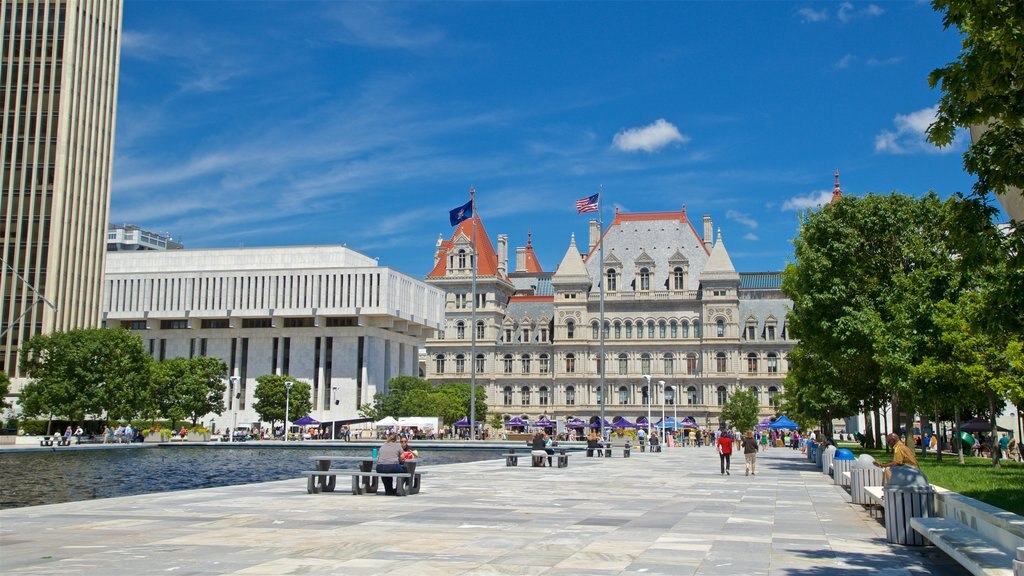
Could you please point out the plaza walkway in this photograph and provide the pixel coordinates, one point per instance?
(670, 513)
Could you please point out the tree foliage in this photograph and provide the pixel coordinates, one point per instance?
(742, 410)
(412, 396)
(983, 86)
(82, 372)
(272, 396)
(5, 388)
(188, 388)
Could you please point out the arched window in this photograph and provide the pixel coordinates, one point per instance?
(644, 395)
(479, 363)
(754, 391)
(460, 330)
(570, 363)
(462, 258)
(607, 326)
(610, 275)
(723, 396)
(524, 362)
(629, 329)
(623, 395)
(772, 393)
(691, 363)
(670, 395)
(524, 393)
(674, 329)
(439, 363)
(460, 363)
(661, 329)
(545, 364)
(691, 396)
(686, 329)
(570, 396)
(640, 329)
(570, 329)
(668, 364)
(618, 330)
(507, 396)
(506, 363)
(720, 328)
(678, 278)
(773, 363)
(696, 328)
(752, 363)
(600, 398)
(543, 395)
(593, 331)
(479, 330)
(645, 280)
(645, 363)
(720, 362)
(623, 365)
(650, 328)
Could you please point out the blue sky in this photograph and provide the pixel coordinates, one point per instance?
(297, 123)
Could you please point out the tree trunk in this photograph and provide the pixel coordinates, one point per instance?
(956, 435)
(993, 441)
(869, 428)
(938, 438)
(878, 428)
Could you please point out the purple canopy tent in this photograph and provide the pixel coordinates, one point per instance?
(575, 423)
(544, 422)
(763, 424)
(462, 423)
(517, 421)
(642, 422)
(623, 423)
(306, 420)
(597, 424)
(687, 422)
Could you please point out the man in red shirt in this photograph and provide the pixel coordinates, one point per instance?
(724, 444)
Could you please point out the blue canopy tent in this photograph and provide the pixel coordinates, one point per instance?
(783, 423)
(668, 423)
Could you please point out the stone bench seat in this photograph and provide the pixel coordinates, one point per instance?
(968, 547)
(537, 461)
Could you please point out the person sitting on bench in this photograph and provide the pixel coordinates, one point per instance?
(389, 461)
(539, 447)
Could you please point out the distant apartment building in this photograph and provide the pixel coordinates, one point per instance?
(325, 315)
(58, 86)
(131, 238)
(675, 310)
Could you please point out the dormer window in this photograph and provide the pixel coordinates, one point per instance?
(678, 278)
(462, 258)
(645, 280)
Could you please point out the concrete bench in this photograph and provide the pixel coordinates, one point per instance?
(512, 459)
(968, 547)
(48, 441)
(406, 483)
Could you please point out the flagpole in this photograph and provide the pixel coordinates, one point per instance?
(475, 255)
(600, 280)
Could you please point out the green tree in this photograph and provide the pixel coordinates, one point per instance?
(392, 402)
(5, 388)
(742, 410)
(271, 397)
(412, 396)
(188, 388)
(983, 86)
(82, 372)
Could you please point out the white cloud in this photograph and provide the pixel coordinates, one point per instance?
(847, 12)
(750, 236)
(845, 61)
(843, 14)
(650, 138)
(909, 134)
(381, 26)
(884, 61)
(873, 10)
(742, 218)
(812, 15)
(812, 200)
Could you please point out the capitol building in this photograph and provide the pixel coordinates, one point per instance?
(675, 309)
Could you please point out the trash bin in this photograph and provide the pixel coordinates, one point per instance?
(819, 452)
(626, 449)
(863, 472)
(841, 462)
(907, 495)
(826, 459)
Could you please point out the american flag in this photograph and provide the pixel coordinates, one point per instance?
(588, 204)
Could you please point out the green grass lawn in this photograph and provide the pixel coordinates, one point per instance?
(976, 478)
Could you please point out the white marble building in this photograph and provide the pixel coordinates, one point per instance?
(326, 315)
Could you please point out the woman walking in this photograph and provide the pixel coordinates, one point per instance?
(724, 444)
(750, 454)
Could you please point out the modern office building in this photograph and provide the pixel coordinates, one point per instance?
(675, 309)
(59, 90)
(325, 315)
(131, 238)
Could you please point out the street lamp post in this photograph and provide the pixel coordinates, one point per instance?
(647, 378)
(234, 407)
(334, 397)
(287, 399)
(661, 386)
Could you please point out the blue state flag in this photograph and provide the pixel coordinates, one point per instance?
(464, 212)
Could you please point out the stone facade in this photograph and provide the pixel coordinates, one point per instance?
(675, 309)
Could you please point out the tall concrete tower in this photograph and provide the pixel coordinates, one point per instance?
(59, 91)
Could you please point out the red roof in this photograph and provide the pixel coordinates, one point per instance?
(532, 265)
(488, 260)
